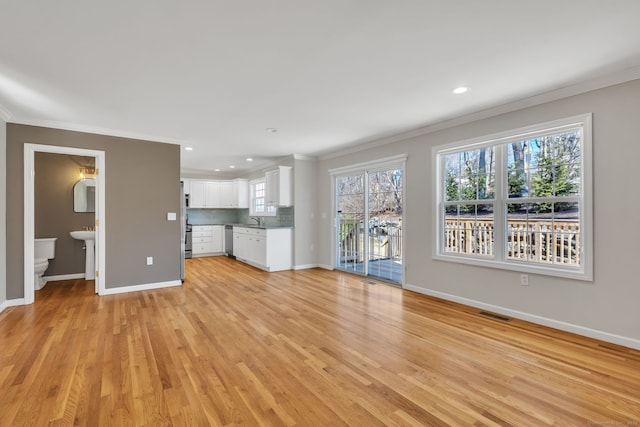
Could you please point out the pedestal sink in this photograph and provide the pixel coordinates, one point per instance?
(89, 238)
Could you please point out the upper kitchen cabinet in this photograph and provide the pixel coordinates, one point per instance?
(219, 194)
(278, 186)
(226, 194)
(197, 194)
(240, 193)
(204, 194)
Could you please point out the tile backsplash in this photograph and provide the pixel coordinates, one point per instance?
(284, 217)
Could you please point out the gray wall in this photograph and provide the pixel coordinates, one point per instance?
(306, 222)
(142, 185)
(55, 176)
(608, 304)
(3, 212)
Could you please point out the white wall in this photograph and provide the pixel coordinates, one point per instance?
(3, 212)
(605, 308)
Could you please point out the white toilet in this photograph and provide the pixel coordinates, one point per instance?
(44, 250)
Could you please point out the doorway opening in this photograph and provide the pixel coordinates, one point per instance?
(30, 151)
(369, 216)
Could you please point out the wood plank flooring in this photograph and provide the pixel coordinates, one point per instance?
(238, 346)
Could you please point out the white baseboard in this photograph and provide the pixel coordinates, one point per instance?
(145, 287)
(556, 324)
(64, 277)
(304, 266)
(11, 303)
(326, 267)
(48, 279)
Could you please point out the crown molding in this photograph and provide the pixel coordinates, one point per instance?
(94, 130)
(304, 157)
(585, 86)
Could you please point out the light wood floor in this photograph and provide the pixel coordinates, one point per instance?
(237, 346)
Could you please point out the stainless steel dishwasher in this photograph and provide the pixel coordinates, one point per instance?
(228, 241)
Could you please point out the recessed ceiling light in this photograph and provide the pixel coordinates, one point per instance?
(232, 167)
(217, 170)
(272, 130)
(188, 148)
(249, 159)
(461, 89)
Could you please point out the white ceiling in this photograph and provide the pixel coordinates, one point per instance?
(328, 74)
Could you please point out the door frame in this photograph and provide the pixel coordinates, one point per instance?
(399, 161)
(29, 212)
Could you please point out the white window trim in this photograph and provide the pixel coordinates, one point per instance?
(252, 196)
(585, 272)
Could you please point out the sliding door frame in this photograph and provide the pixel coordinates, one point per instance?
(398, 162)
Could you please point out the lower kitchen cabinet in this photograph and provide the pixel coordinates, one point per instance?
(268, 249)
(207, 240)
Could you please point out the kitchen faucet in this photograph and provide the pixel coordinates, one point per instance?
(257, 219)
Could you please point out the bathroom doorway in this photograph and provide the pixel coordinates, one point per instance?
(30, 151)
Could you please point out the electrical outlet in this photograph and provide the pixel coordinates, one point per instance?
(171, 216)
(149, 260)
(524, 279)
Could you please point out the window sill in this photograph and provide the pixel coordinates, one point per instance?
(574, 274)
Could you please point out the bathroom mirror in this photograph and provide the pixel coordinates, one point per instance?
(84, 195)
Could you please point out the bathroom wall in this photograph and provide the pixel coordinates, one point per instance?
(55, 176)
(142, 186)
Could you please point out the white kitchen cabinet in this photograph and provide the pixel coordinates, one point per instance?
(197, 195)
(207, 240)
(240, 193)
(267, 249)
(226, 194)
(212, 194)
(278, 186)
(218, 194)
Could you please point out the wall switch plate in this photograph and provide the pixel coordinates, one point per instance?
(149, 260)
(171, 216)
(524, 279)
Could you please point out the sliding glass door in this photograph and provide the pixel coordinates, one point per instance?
(369, 223)
(384, 257)
(350, 219)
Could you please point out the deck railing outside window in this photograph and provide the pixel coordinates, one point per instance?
(385, 239)
(551, 242)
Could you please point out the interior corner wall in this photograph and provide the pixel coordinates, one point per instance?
(606, 305)
(3, 211)
(305, 220)
(142, 186)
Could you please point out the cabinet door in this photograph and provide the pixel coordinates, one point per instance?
(272, 187)
(226, 194)
(278, 186)
(239, 245)
(240, 193)
(259, 251)
(216, 238)
(212, 194)
(197, 195)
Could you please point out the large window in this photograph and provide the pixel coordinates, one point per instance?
(519, 200)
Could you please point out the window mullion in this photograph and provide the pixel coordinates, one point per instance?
(499, 218)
